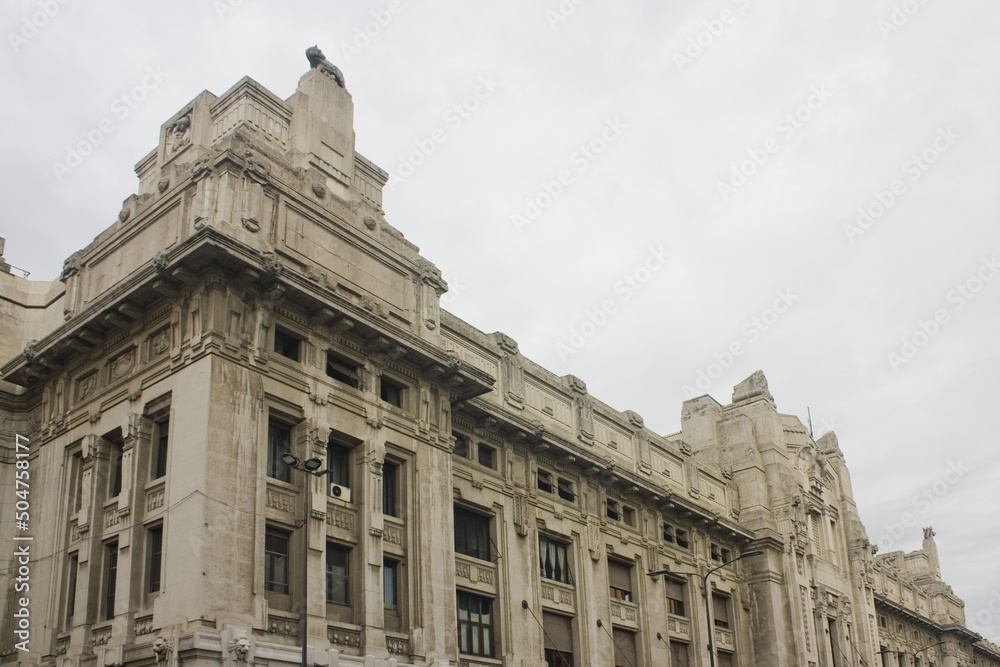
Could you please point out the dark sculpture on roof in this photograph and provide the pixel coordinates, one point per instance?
(318, 60)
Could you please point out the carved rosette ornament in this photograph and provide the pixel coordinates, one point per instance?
(162, 185)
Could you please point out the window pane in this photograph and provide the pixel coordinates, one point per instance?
(336, 574)
(276, 562)
(160, 455)
(279, 442)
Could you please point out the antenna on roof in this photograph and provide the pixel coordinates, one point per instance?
(810, 422)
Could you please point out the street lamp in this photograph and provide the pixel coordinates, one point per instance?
(704, 592)
(309, 467)
(886, 651)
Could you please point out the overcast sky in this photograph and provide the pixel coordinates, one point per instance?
(631, 190)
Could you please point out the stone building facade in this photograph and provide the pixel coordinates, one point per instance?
(251, 304)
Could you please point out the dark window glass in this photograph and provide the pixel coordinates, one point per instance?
(160, 451)
(343, 369)
(611, 510)
(117, 452)
(461, 447)
(74, 566)
(628, 516)
(111, 579)
(620, 580)
(286, 344)
(472, 534)
(390, 392)
(682, 539)
(487, 456)
(720, 611)
(566, 490)
(544, 481)
(390, 482)
(155, 546)
(668, 533)
(336, 574)
(675, 597)
(558, 639)
(76, 479)
(390, 586)
(475, 625)
(337, 458)
(553, 560)
(276, 561)
(279, 442)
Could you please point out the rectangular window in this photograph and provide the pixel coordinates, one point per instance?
(625, 653)
(558, 639)
(461, 447)
(276, 561)
(628, 516)
(110, 578)
(714, 549)
(337, 464)
(337, 558)
(668, 533)
(73, 569)
(620, 580)
(286, 344)
(279, 442)
(566, 490)
(115, 477)
(720, 610)
(726, 555)
(390, 586)
(553, 559)
(487, 456)
(343, 369)
(475, 625)
(390, 483)
(391, 392)
(725, 659)
(159, 458)
(611, 510)
(472, 534)
(544, 481)
(679, 656)
(675, 597)
(682, 539)
(76, 480)
(154, 547)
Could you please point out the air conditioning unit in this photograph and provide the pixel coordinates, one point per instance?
(340, 492)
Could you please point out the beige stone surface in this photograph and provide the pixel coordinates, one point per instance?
(256, 246)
